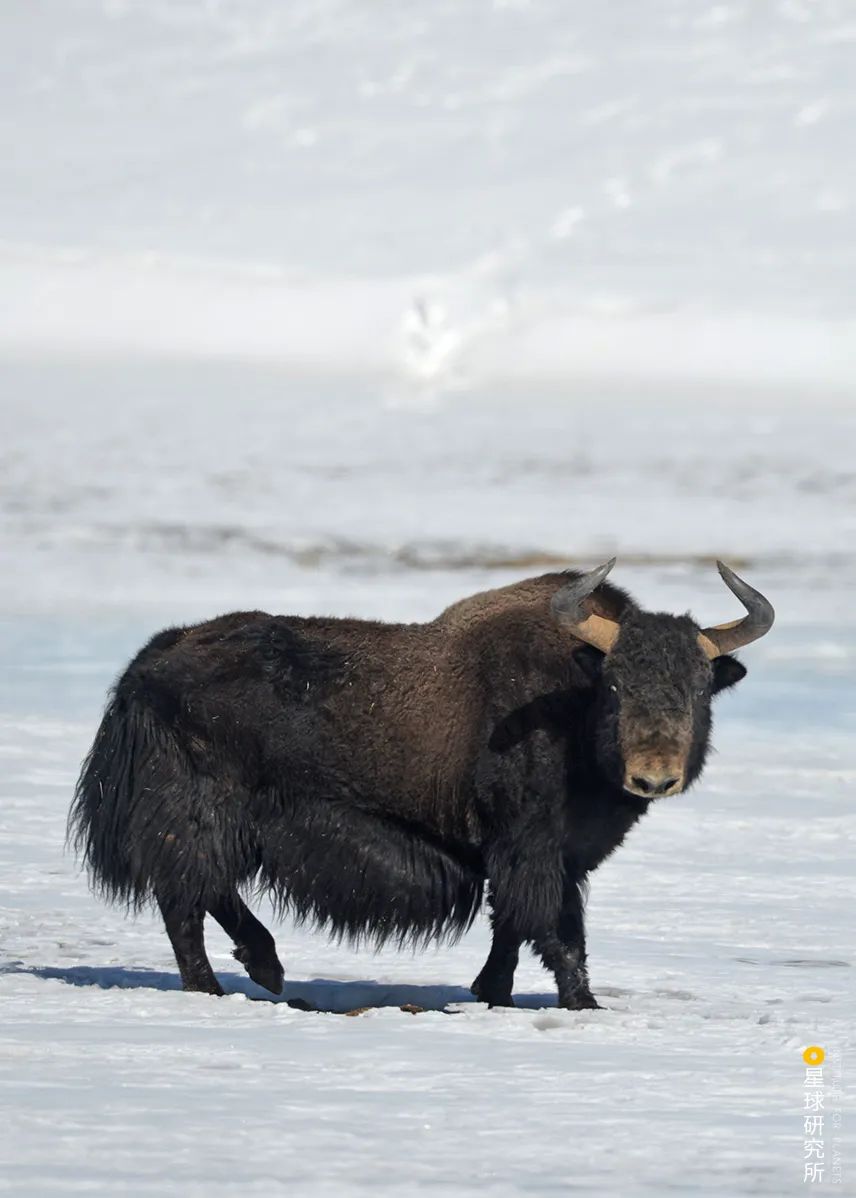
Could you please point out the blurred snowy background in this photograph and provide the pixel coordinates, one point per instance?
(356, 308)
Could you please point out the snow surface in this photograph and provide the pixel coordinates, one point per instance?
(344, 308)
(721, 934)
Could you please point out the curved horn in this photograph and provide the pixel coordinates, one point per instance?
(725, 638)
(567, 606)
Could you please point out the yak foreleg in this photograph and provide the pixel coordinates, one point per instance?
(535, 899)
(494, 983)
(563, 951)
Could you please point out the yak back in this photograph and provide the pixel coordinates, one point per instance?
(389, 717)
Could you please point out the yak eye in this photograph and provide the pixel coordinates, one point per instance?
(613, 688)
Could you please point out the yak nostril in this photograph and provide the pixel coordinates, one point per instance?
(653, 786)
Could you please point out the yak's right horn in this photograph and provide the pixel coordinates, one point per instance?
(568, 605)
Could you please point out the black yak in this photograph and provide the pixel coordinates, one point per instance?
(373, 777)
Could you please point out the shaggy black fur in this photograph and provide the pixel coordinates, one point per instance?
(371, 777)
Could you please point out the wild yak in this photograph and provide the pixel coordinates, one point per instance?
(373, 777)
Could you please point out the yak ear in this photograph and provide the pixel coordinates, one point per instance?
(726, 672)
(589, 660)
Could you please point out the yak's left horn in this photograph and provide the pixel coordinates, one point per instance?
(568, 605)
(725, 638)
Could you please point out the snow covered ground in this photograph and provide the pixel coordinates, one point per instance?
(345, 308)
(721, 934)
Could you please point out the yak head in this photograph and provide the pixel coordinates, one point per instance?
(655, 677)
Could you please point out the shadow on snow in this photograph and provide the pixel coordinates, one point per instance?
(321, 994)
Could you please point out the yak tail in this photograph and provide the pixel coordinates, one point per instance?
(110, 795)
(147, 823)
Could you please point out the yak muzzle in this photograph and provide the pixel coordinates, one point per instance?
(654, 781)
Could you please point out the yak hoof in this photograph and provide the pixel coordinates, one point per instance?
(269, 979)
(493, 996)
(204, 987)
(580, 1002)
(267, 974)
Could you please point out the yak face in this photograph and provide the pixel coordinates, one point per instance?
(652, 719)
(656, 675)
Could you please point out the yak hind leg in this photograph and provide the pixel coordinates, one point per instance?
(184, 928)
(254, 945)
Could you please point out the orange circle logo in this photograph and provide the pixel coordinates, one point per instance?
(814, 1055)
